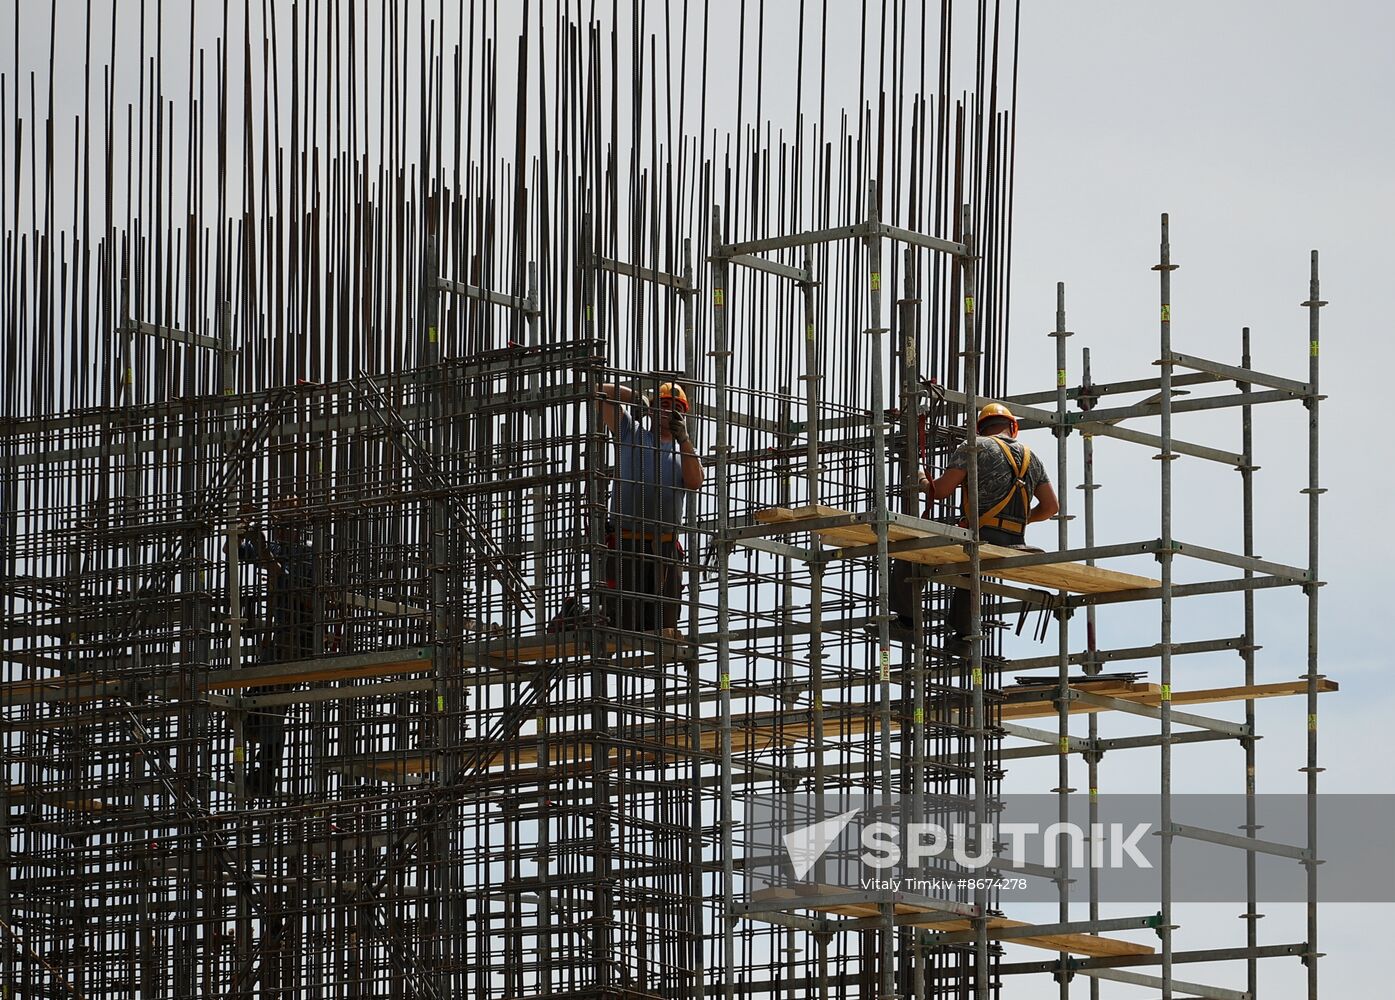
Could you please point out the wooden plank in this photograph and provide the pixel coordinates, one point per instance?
(387, 663)
(56, 800)
(1077, 944)
(1074, 577)
(1151, 694)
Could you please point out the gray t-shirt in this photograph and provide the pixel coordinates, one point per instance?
(995, 476)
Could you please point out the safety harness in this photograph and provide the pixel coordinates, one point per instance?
(993, 517)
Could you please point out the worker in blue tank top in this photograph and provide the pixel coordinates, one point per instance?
(656, 468)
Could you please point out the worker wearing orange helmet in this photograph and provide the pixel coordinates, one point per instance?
(656, 468)
(1013, 492)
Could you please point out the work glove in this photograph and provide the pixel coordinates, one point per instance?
(678, 427)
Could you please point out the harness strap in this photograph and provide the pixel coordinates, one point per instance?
(1018, 488)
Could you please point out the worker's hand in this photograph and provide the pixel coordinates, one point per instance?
(678, 427)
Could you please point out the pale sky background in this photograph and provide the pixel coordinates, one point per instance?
(1265, 129)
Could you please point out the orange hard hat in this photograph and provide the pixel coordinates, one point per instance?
(992, 410)
(674, 392)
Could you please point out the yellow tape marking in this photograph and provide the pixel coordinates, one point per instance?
(726, 682)
(1167, 314)
(1167, 692)
(1060, 376)
(719, 297)
(1313, 348)
(969, 304)
(876, 281)
(431, 335)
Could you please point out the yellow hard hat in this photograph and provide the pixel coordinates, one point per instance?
(673, 391)
(994, 410)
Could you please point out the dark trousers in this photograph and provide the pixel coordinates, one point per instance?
(961, 617)
(644, 583)
(266, 725)
(906, 587)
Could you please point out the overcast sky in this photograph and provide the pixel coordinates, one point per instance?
(1266, 131)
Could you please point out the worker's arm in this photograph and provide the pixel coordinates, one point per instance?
(608, 406)
(692, 465)
(945, 485)
(255, 547)
(1046, 506)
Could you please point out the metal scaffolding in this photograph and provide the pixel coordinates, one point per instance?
(318, 675)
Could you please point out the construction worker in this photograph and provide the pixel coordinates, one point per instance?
(288, 631)
(657, 467)
(1013, 492)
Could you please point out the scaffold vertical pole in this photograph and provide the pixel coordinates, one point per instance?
(1314, 492)
(1063, 789)
(979, 727)
(720, 275)
(1247, 652)
(1165, 267)
(1091, 665)
(887, 979)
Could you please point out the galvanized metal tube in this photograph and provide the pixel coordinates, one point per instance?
(812, 379)
(720, 271)
(1314, 491)
(978, 733)
(1165, 267)
(879, 525)
(1063, 788)
(1247, 653)
(1091, 664)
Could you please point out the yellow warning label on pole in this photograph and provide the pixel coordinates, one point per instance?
(1312, 723)
(1167, 692)
(886, 664)
(726, 682)
(431, 335)
(918, 716)
(809, 332)
(1060, 376)
(969, 304)
(440, 703)
(1167, 313)
(589, 313)
(978, 676)
(1094, 793)
(542, 723)
(719, 297)
(1313, 349)
(876, 281)
(1064, 745)
(239, 754)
